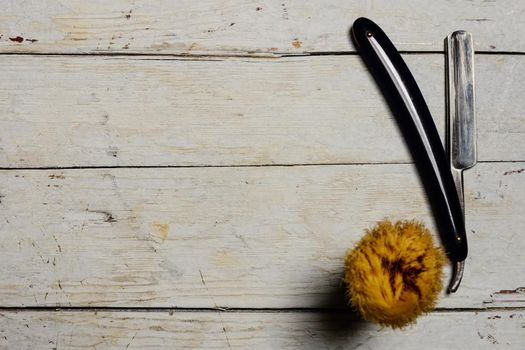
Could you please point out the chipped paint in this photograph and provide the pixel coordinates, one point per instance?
(519, 290)
(17, 39)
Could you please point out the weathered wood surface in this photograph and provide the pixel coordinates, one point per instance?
(246, 27)
(265, 237)
(250, 237)
(95, 111)
(246, 330)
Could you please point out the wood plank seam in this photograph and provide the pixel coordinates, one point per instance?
(233, 309)
(218, 56)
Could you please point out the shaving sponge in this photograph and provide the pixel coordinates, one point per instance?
(394, 274)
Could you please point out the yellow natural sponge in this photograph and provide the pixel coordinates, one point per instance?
(394, 274)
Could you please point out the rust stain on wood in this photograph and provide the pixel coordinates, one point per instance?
(160, 231)
(297, 43)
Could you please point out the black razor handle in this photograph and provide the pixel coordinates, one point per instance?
(415, 121)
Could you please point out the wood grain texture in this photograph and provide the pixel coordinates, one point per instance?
(217, 83)
(249, 27)
(265, 237)
(245, 330)
(94, 111)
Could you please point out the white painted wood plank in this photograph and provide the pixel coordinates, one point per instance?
(245, 27)
(247, 330)
(94, 111)
(234, 237)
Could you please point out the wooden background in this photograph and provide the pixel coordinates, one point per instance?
(179, 174)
